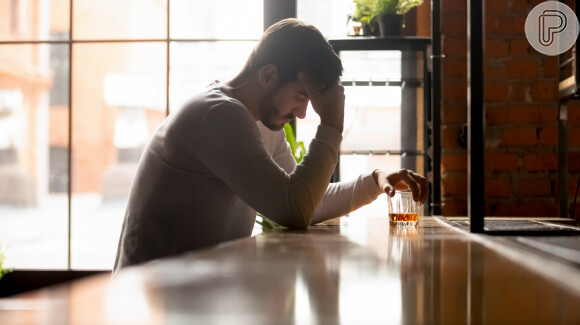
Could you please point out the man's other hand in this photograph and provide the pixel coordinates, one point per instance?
(402, 180)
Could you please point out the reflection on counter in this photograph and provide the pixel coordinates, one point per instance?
(359, 272)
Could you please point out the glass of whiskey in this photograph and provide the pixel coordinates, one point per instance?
(403, 210)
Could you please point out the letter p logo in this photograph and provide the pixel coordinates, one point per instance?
(550, 23)
(552, 27)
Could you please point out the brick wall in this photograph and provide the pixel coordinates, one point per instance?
(521, 93)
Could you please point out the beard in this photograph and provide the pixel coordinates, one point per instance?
(270, 113)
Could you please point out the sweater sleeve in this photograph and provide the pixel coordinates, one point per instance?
(339, 198)
(231, 147)
(344, 197)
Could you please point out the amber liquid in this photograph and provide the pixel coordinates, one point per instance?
(395, 218)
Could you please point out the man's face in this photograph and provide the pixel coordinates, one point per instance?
(283, 104)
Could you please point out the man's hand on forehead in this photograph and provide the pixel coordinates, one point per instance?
(328, 102)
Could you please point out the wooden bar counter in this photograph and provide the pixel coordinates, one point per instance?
(356, 271)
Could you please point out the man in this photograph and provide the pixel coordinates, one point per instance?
(223, 156)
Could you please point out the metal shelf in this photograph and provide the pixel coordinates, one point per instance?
(408, 80)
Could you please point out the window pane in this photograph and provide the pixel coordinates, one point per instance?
(383, 113)
(371, 65)
(224, 19)
(372, 113)
(118, 101)
(330, 16)
(119, 19)
(25, 20)
(34, 155)
(195, 65)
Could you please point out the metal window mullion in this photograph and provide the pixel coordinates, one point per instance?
(167, 60)
(69, 189)
(475, 115)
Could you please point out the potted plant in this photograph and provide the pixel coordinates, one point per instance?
(364, 13)
(3, 270)
(389, 15)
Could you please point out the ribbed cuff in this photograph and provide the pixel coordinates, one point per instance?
(371, 186)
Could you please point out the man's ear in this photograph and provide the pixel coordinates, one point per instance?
(268, 76)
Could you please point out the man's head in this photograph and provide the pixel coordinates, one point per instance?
(287, 48)
(293, 46)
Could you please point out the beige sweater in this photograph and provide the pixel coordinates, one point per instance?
(210, 167)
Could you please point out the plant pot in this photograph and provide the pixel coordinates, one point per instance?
(371, 29)
(390, 25)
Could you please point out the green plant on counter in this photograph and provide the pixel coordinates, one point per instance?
(3, 270)
(367, 10)
(297, 147)
(385, 7)
(298, 151)
(364, 13)
(405, 5)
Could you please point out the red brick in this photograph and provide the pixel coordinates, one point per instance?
(453, 162)
(455, 90)
(519, 137)
(455, 46)
(501, 162)
(551, 66)
(455, 68)
(496, 91)
(534, 209)
(496, 48)
(548, 136)
(496, 6)
(496, 115)
(520, 6)
(525, 114)
(535, 162)
(573, 111)
(451, 7)
(454, 185)
(493, 72)
(574, 162)
(499, 209)
(574, 137)
(490, 25)
(544, 90)
(519, 47)
(519, 90)
(534, 3)
(497, 187)
(576, 210)
(522, 69)
(571, 187)
(534, 187)
(510, 25)
(454, 208)
(449, 138)
(453, 114)
(454, 26)
(547, 113)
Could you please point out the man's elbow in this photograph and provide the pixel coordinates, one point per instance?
(297, 222)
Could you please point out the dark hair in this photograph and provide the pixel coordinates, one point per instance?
(293, 46)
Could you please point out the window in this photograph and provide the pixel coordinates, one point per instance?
(383, 117)
(80, 94)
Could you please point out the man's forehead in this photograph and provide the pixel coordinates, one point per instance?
(297, 86)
